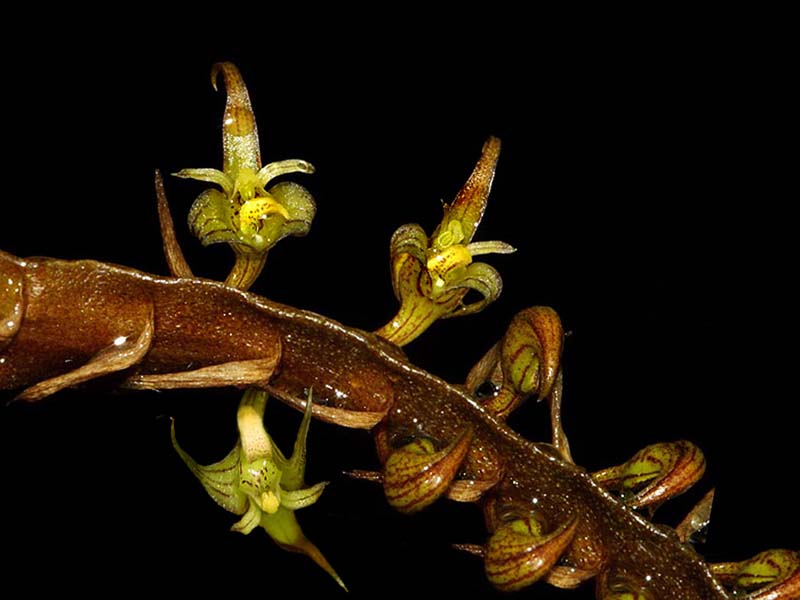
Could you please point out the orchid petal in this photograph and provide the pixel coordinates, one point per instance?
(282, 167)
(209, 176)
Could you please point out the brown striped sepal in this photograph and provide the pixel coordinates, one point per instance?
(519, 553)
(416, 475)
(530, 357)
(412, 287)
(770, 575)
(655, 473)
(432, 275)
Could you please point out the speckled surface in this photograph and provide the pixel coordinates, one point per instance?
(75, 309)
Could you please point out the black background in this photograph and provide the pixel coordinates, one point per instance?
(645, 179)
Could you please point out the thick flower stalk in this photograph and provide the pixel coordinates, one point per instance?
(432, 275)
(244, 212)
(256, 480)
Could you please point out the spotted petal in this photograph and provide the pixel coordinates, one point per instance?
(300, 208)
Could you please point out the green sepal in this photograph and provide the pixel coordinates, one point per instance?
(284, 529)
(297, 499)
(250, 520)
(294, 468)
(432, 275)
(481, 278)
(209, 176)
(211, 218)
(220, 480)
(300, 205)
(246, 215)
(257, 481)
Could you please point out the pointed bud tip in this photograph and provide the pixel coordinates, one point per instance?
(492, 144)
(216, 68)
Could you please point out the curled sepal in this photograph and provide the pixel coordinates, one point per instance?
(412, 287)
(530, 358)
(520, 553)
(417, 474)
(770, 575)
(613, 586)
(220, 480)
(240, 147)
(471, 490)
(432, 276)
(655, 473)
(481, 278)
(244, 212)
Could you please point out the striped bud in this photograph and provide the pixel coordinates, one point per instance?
(519, 553)
(770, 575)
(656, 473)
(416, 474)
(530, 359)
